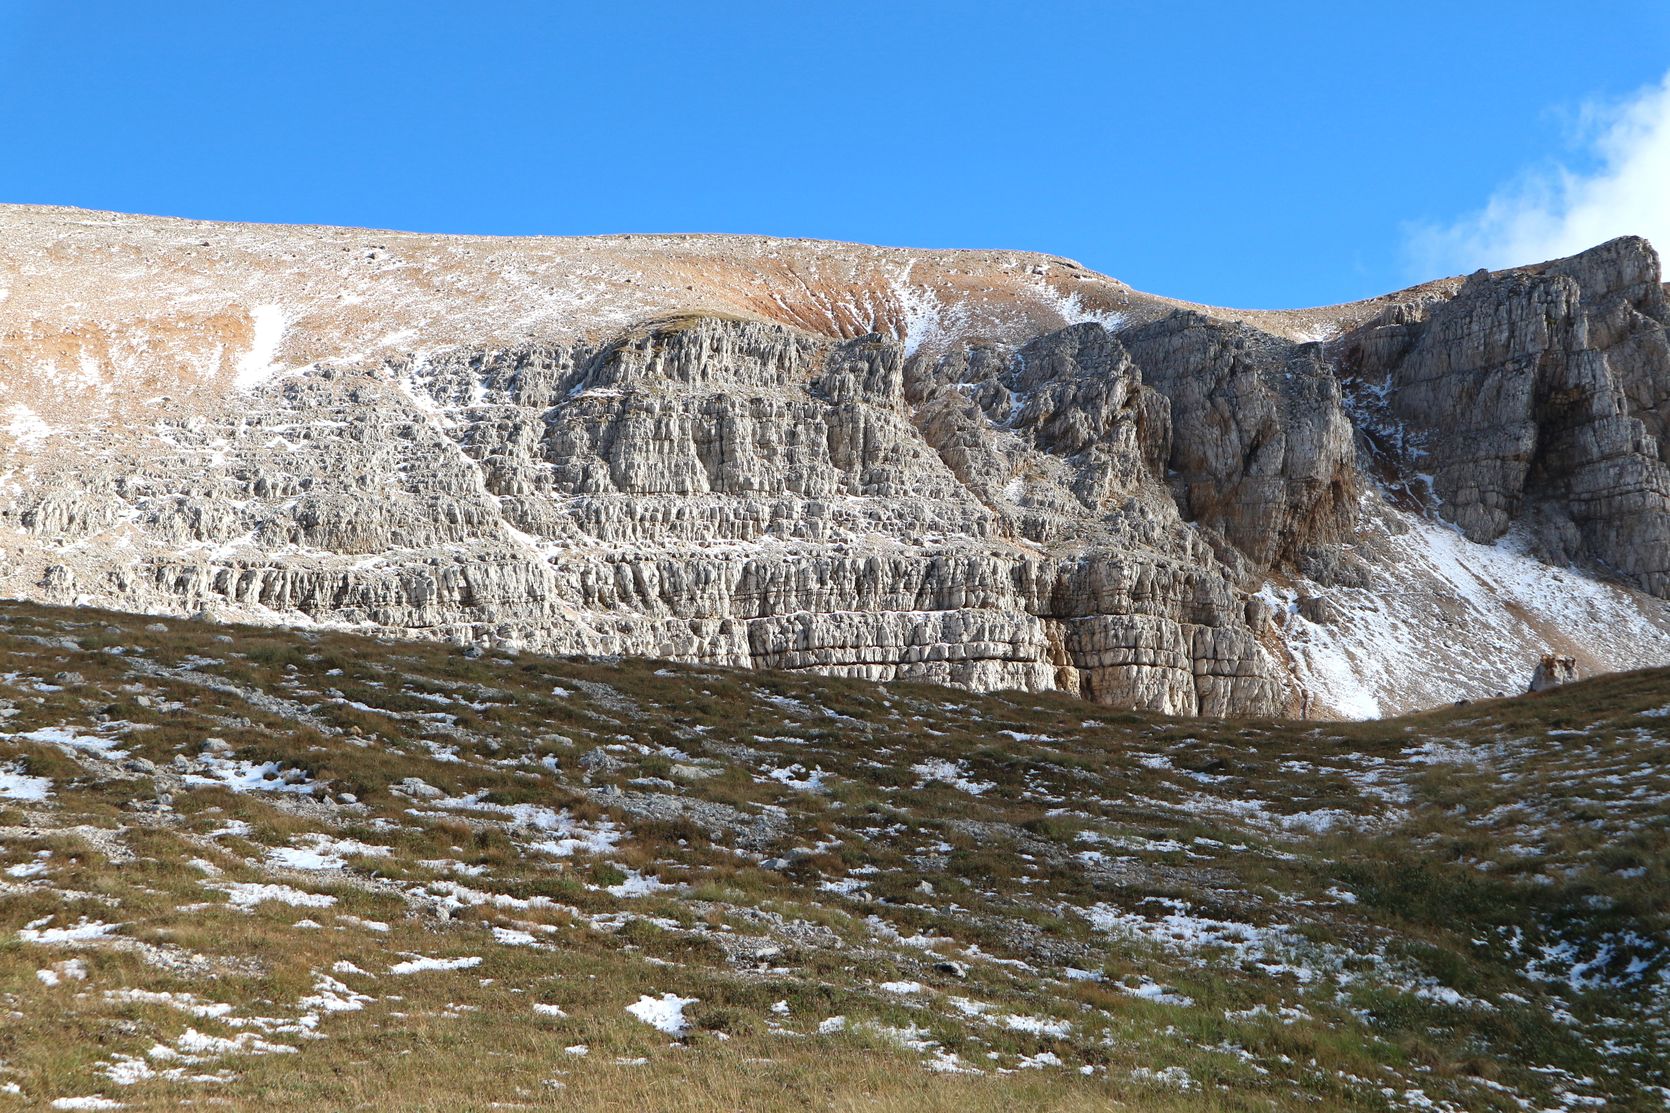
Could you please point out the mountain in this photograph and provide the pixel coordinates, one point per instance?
(256, 868)
(993, 470)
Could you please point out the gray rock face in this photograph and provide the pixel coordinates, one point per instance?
(1092, 508)
(713, 490)
(1542, 392)
(1262, 448)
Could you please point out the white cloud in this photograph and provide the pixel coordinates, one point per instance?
(1550, 213)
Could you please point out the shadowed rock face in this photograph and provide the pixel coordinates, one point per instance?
(1088, 508)
(1262, 447)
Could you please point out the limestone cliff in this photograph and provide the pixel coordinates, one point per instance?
(988, 470)
(1543, 391)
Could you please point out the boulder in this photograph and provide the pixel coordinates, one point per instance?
(1552, 671)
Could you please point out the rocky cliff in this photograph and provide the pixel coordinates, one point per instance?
(990, 470)
(1543, 391)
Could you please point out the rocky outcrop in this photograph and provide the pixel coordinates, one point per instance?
(1541, 393)
(708, 489)
(1262, 448)
(1148, 506)
(1552, 671)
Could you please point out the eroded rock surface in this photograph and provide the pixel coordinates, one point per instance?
(1100, 493)
(1543, 391)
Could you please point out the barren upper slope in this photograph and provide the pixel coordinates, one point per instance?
(107, 297)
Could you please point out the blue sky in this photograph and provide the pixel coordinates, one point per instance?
(1244, 154)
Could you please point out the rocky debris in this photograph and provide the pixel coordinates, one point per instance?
(600, 761)
(107, 841)
(1317, 609)
(1552, 671)
(262, 701)
(1085, 499)
(734, 826)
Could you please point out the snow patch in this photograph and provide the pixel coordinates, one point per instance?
(247, 776)
(26, 426)
(1497, 604)
(953, 773)
(418, 964)
(636, 884)
(18, 785)
(248, 894)
(83, 931)
(665, 1013)
(256, 366)
(92, 1102)
(66, 738)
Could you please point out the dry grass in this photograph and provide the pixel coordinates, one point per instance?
(1403, 883)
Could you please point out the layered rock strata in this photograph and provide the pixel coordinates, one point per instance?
(1540, 392)
(1093, 493)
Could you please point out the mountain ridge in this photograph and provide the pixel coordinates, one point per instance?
(988, 469)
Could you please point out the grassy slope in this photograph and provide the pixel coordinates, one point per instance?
(1466, 908)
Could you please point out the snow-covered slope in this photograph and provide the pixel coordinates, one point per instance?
(1443, 619)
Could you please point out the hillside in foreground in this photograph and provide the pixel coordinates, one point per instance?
(253, 868)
